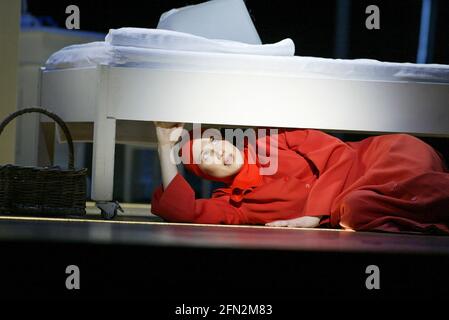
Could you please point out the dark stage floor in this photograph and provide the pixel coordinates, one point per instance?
(145, 231)
(140, 257)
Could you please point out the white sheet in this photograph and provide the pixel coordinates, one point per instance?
(92, 54)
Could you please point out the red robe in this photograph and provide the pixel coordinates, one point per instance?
(392, 183)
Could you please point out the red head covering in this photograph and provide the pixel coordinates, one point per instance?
(240, 183)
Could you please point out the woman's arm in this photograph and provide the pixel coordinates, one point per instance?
(168, 169)
(176, 200)
(167, 135)
(177, 203)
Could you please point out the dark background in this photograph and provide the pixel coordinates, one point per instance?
(312, 24)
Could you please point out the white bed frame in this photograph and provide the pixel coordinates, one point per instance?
(105, 94)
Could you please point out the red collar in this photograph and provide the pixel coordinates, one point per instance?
(246, 179)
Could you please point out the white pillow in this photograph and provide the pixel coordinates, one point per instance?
(216, 19)
(173, 40)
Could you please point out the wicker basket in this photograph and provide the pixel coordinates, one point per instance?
(42, 191)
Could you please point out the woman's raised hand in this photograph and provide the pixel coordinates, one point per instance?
(168, 132)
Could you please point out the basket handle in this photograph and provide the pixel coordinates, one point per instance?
(51, 115)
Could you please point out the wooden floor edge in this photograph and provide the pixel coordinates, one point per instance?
(82, 220)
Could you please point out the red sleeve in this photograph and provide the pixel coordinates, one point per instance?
(178, 204)
(332, 159)
(315, 145)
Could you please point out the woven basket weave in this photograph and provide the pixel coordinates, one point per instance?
(42, 190)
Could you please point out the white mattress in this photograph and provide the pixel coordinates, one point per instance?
(92, 54)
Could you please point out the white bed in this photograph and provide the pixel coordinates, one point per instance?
(104, 83)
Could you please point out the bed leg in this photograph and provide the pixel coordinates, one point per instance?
(103, 167)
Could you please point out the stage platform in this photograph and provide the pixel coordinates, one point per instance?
(139, 256)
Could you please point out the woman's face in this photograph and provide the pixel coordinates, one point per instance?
(218, 158)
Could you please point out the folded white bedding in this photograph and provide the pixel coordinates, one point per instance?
(92, 54)
(173, 40)
(81, 55)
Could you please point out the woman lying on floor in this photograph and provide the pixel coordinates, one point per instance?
(392, 183)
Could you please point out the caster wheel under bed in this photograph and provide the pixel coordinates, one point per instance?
(109, 209)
